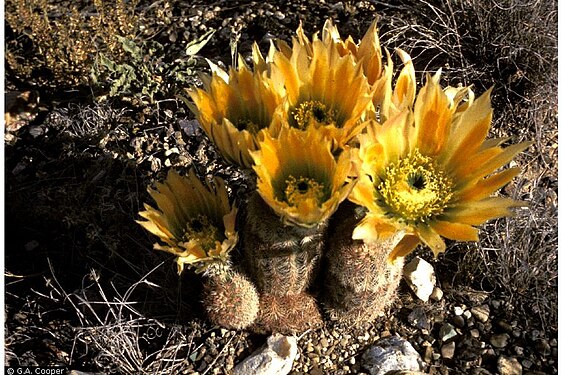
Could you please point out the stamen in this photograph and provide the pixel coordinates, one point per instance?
(414, 189)
(203, 231)
(312, 110)
(302, 188)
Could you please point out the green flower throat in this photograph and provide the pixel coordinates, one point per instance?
(414, 190)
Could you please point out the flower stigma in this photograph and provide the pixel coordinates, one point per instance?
(300, 189)
(414, 190)
(203, 231)
(312, 110)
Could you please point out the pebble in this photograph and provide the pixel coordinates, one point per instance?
(481, 313)
(458, 310)
(418, 318)
(392, 353)
(518, 350)
(508, 366)
(500, 340)
(419, 275)
(458, 321)
(437, 294)
(448, 350)
(527, 363)
(324, 342)
(474, 333)
(505, 326)
(447, 331)
(276, 357)
(496, 304)
(542, 346)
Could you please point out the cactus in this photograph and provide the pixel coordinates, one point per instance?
(282, 261)
(230, 300)
(359, 282)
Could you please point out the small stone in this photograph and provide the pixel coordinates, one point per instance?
(518, 350)
(353, 361)
(437, 294)
(419, 275)
(500, 340)
(458, 321)
(474, 333)
(391, 353)
(276, 357)
(542, 346)
(505, 326)
(458, 310)
(448, 350)
(324, 342)
(467, 314)
(508, 366)
(496, 304)
(418, 318)
(447, 331)
(481, 313)
(527, 363)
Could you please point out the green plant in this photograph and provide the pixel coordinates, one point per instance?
(146, 73)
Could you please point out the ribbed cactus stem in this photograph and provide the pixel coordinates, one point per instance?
(230, 299)
(360, 282)
(282, 260)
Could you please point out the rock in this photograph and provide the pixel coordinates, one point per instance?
(500, 340)
(447, 331)
(418, 318)
(437, 294)
(508, 366)
(419, 275)
(481, 313)
(276, 357)
(542, 346)
(448, 350)
(391, 354)
(458, 310)
(458, 321)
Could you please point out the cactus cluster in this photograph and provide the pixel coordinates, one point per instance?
(353, 170)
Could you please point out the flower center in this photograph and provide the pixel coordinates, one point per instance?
(312, 110)
(202, 230)
(247, 124)
(414, 189)
(300, 189)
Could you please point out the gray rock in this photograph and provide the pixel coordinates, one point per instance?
(481, 313)
(500, 340)
(391, 354)
(418, 318)
(275, 358)
(419, 275)
(508, 366)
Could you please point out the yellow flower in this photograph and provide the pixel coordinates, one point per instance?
(431, 173)
(387, 100)
(193, 221)
(235, 109)
(299, 178)
(323, 89)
